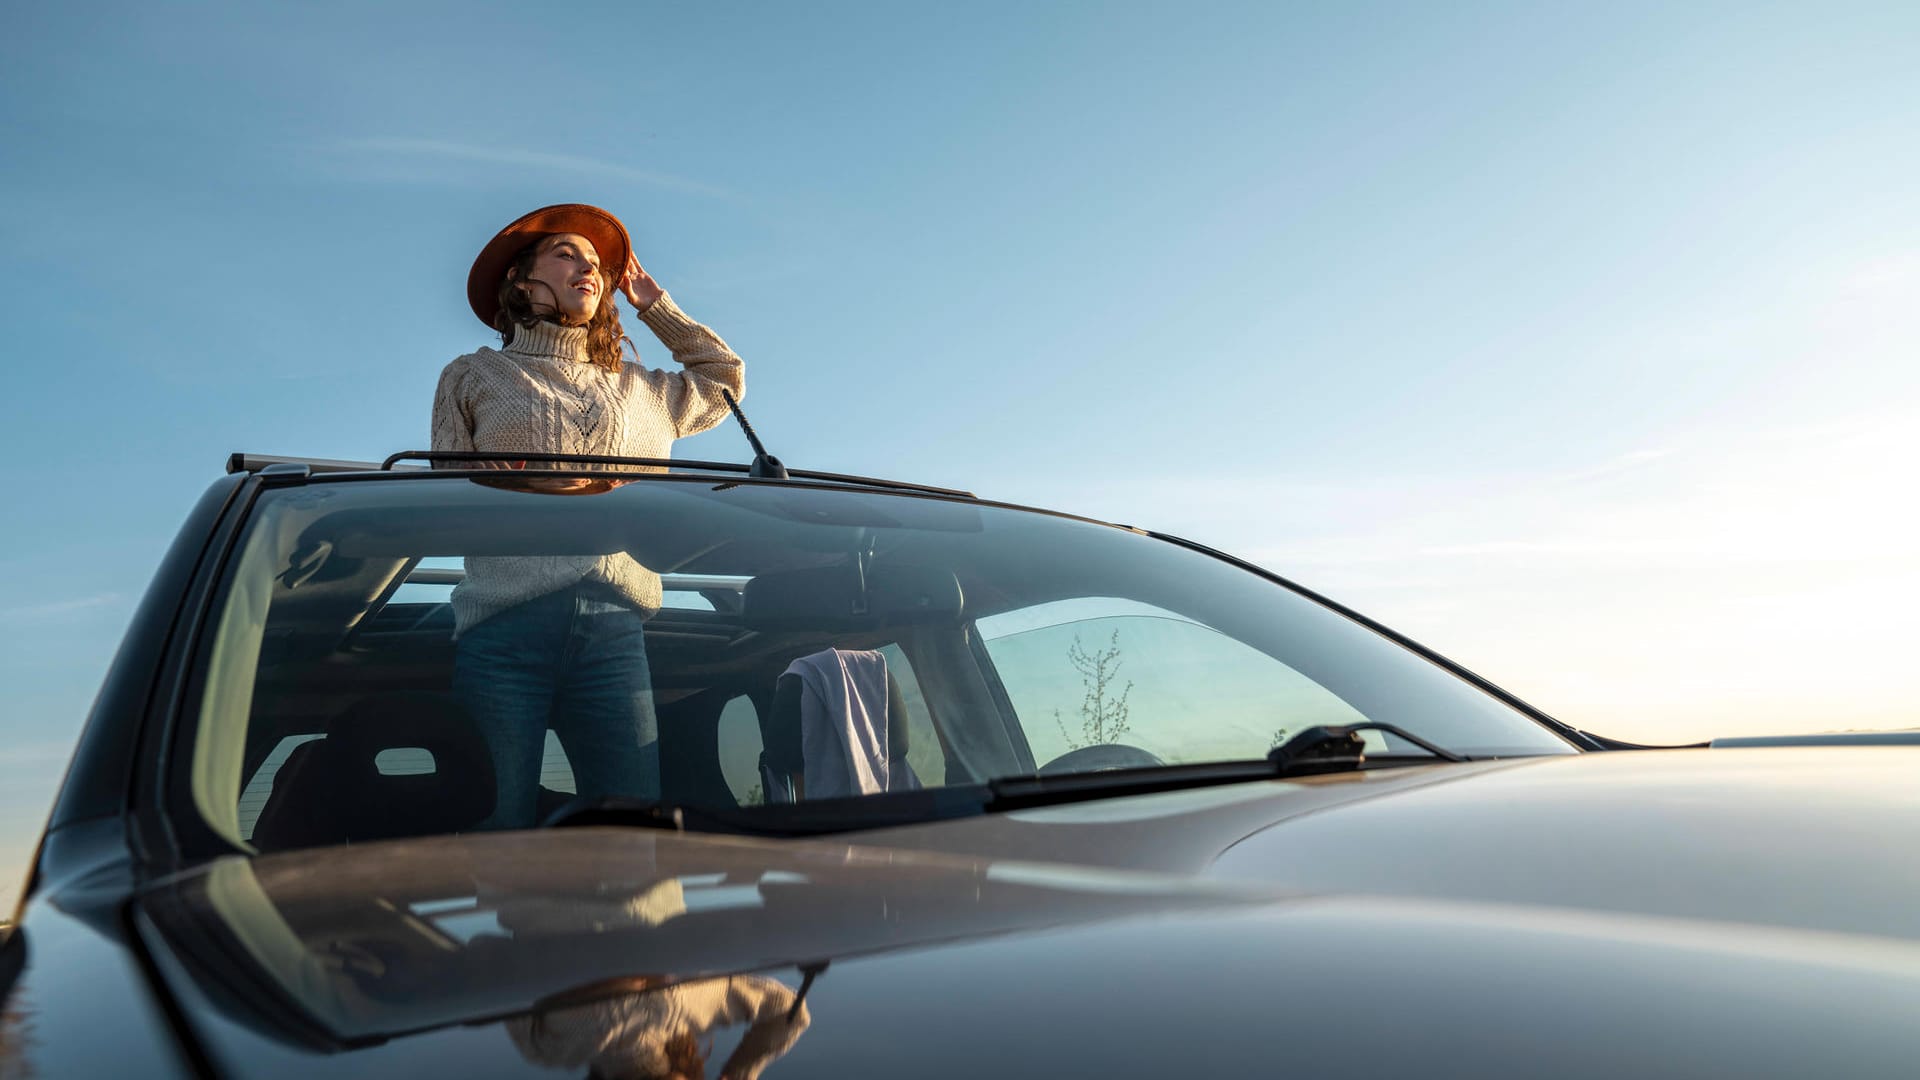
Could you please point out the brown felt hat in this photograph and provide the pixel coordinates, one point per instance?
(608, 235)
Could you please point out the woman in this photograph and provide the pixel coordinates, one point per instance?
(559, 640)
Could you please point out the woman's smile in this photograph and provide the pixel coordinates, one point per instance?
(566, 274)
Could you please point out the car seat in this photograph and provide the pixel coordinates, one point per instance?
(332, 790)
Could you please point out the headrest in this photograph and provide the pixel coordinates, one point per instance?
(836, 598)
(456, 795)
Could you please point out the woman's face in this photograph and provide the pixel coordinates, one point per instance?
(566, 275)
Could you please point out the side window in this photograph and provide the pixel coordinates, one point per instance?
(739, 735)
(555, 773)
(419, 607)
(431, 581)
(1093, 671)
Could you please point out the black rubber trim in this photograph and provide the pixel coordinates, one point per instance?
(169, 821)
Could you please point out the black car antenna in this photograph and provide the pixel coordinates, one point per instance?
(764, 465)
(811, 972)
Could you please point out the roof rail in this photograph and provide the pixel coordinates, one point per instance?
(254, 463)
(561, 460)
(242, 462)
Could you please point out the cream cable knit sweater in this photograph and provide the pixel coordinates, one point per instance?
(540, 394)
(627, 1036)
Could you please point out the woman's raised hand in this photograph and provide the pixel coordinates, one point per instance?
(639, 286)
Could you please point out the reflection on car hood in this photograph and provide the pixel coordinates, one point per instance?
(1815, 838)
(1443, 906)
(368, 941)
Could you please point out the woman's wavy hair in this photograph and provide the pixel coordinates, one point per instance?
(605, 338)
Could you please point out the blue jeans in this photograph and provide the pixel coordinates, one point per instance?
(574, 662)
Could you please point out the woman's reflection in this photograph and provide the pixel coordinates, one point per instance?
(659, 1031)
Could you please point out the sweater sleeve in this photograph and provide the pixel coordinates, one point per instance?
(627, 1035)
(765, 1003)
(692, 394)
(452, 413)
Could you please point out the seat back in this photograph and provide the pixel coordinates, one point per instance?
(333, 790)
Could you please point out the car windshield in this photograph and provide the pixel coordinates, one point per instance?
(426, 654)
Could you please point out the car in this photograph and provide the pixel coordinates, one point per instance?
(1108, 803)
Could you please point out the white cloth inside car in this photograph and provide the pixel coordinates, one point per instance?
(843, 725)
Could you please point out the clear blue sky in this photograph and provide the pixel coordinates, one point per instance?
(1578, 341)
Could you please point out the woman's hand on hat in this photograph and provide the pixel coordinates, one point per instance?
(639, 286)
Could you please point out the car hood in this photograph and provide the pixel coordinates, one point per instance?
(590, 950)
(1813, 838)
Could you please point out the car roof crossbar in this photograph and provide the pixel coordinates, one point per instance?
(253, 463)
(241, 462)
(437, 456)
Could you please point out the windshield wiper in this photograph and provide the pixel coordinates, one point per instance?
(814, 817)
(1022, 792)
(1326, 748)
(1321, 749)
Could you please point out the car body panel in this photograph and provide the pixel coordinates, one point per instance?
(1817, 838)
(482, 925)
(946, 965)
(1332, 987)
(81, 1004)
(950, 964)
(1175, 832)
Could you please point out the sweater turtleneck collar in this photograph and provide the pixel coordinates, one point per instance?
(550, 340)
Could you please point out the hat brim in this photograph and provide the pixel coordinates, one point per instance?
(609, 238)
